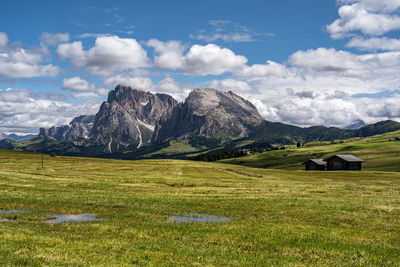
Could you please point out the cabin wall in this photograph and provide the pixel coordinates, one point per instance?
(355, 166)
(337, 164)
(311, 166)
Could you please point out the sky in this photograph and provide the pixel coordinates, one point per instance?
(305, 63)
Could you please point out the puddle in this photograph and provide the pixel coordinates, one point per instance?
(14, 211)
(195, 217)
(66, 218)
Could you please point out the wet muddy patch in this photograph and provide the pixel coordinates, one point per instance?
(67, 218)
(199, 218)
(14, 211)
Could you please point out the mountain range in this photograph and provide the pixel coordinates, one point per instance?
(16, 137)
(133, 124)
(79, 127)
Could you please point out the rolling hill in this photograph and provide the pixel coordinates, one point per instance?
(381, 152)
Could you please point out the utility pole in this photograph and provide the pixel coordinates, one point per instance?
(42, 162)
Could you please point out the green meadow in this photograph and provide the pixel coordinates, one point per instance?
(278, 217)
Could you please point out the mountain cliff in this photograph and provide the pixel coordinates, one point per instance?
(210, 113)
(129, 117)
(79, 127)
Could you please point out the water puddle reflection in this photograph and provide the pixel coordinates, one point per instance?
(66, 218)
(14, 211)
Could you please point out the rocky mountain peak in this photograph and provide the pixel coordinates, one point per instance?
(209, 100)
(212, 113)
(83, 119)
(129, 117)
(79, 127)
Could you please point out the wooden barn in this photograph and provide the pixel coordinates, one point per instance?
(344, 163)
(315, 165)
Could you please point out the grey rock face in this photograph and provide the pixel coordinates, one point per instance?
(209, 112)
(79, 127)
(129, 117)
(2, 136)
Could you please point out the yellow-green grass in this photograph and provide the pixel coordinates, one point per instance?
(175, 147)
(378, 152)
(278, 217)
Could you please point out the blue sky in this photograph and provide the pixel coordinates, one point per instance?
(294, 25)
(301, 62)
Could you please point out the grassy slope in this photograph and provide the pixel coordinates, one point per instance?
(278, 217)
(175, 147)
(378, 151)
(185, 149)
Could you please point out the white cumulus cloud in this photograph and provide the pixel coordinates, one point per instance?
(373, 44)
(259, 70)
(232, 85)
(169, 54)
(167, 85)
(386, 6)
(21, 111)
(212, 59)
(368, 17)
(109, 54)
(209, 59)
(3, 39)
(78, 84)
(24, 64)
(52, 39)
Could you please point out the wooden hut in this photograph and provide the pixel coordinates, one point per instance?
(344, 163)
(315, 165)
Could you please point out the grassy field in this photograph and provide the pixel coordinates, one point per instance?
(379, 153)
(278, 217)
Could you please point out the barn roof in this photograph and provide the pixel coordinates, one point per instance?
(316, 161)
(348, 158)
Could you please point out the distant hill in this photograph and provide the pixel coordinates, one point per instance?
(381, 152)
(7, 144)
(16, 137)
(378, 128)
(280, 133)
